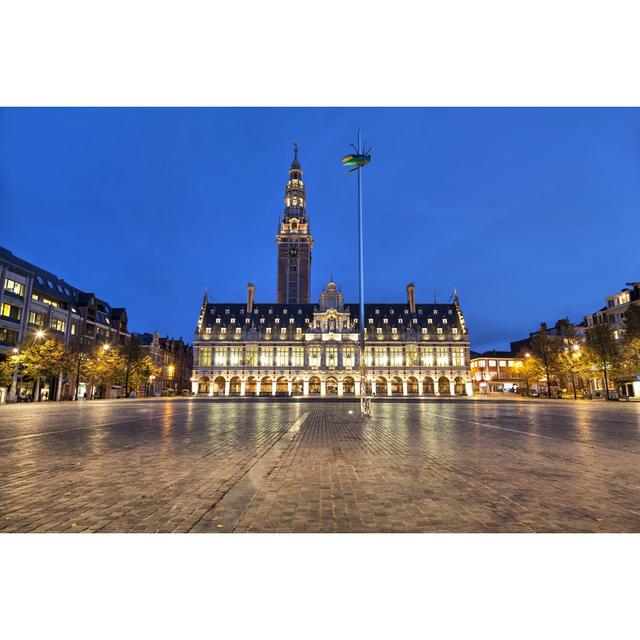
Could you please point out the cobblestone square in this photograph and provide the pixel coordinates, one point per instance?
(292, 466)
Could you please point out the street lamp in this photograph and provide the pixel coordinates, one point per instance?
(106, 347)
(39, 334)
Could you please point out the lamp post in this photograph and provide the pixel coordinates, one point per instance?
(38, 336)
(358, 161)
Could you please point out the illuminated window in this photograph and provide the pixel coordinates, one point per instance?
(235, 356)
(394, 330)
(73, 329)
(251, 356)
(268, 329)
(424, 330)
(205, 356)
(379, 330)
(385, 321)
(208, 330)
(223, 330)
(10, 311)
(426, 357)
(381, 356)
(457, 357)
(439, 329)
(16, 288)
(348, 356)
(266, 357)
(297, 357)
(36, 318)
(442, 357)
(503, 363)
(315, 354)
(396, 356)
(283, 330)
(233, 321)
(58, 325)
(299, 330)
(217, 320)
(282, 356)
(220, 357)
(454, 330)
(331, 355)
(429, 321)
(412, 356)
(492, 363)
(444, 321)
(238, 330)
(368, 356)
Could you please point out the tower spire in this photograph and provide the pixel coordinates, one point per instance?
(294, 240)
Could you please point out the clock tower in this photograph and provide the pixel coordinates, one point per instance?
(294, 240)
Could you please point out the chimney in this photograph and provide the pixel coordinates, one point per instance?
(411, 297)
(251, 292)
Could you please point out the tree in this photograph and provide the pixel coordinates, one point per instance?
(603, 350)
(44, 360)
(547, 351)
(141, 371)
(105, 367)
(531, 369)
(8, 369)
(630, 342)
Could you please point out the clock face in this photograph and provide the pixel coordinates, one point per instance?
(293, 252)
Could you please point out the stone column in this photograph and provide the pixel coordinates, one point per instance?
(211, 388)
(243, 387)
(227, 387)
(404, 388)
(340, 388)
(305, 387)
(273, 387)
(194, 386)
(420, 388)
(469, 388)
(323, 387)
(388, 387)
(452, 388)
(373, 387)
(258, 387)
(290, 386)
(357, 388)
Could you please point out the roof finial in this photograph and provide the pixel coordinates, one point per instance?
(295, 150)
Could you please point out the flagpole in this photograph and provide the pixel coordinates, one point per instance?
(364, 408)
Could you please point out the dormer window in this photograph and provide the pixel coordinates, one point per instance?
(298, 330)
(394, 330)
(226, 311)
(270, 311)
(399, 320)
(391, 311)
(223, 330)
(444, 321)
(439, 329)
(217, 320)
(435, 312)
(277, 320)
(261, 320)
(268, 329)
(284, 311)
(238, 330)
(291, 320)
(449, 312)
(429, 321)
(454, 330)
(299, 312)
(385, 321)
(424, 329)
(379, 330)
(233, 320)
(370, 320)
(419, 312)
(283, 330)
(207, 330)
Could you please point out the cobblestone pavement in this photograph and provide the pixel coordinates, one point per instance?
(198, 465)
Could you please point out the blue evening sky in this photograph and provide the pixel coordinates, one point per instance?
(530, 213)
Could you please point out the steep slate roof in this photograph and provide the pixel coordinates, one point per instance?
(51, 285)
(233, 315)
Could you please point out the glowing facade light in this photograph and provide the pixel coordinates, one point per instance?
(39, 334)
